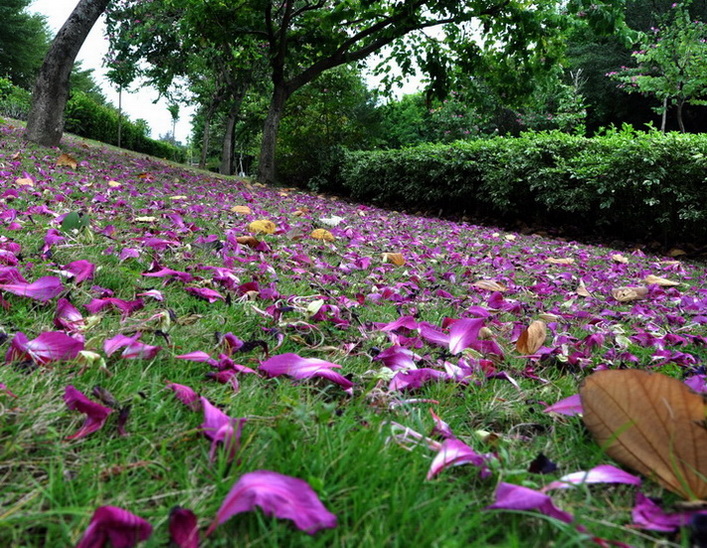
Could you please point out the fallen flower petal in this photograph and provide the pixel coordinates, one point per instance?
(516, 497)
(277, 495)
(221, 429)
(115, 525)
(186, 395)
(183, 528)
(453, 453)
(646, 514)
(604, 473)
(44, 289)
(48, 347)
(96, 414)
(304, 368)
(569, 406)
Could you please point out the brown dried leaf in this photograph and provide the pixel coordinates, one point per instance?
(676, 252)
(626, 294)
(582, 290)
(24, 181)
(241, 209)
(619, 258)
(657, 280)
(564, 260)
(490, 285)
(394, 258)
(68, 161)
(651, 422)
(250, 241)
(145, 219)
(532, 338)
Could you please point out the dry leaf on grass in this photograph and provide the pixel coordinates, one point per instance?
(250, 241)
(322, 234)
(490, 285)
(582, 290)
(627, 294)
(244, 210)
(651, 422)
(394, 258)
(564, 260)
(68, 161)
(532, 338)
(662, 282)
(262, 226)
(619, 258)
(24, 181)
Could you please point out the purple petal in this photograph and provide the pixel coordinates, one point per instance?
(515, 497)
(221, 429)
(80, 270)
(183, 528)
(44, 289)
(604, 473)
(648, 515)
(453, 453)
(434, 336)
(407, 322)
(117, 526)
(132, 347)
(304, 368)
(464, 333)
(96, 414)
(277, 495)
(568, 406)
(414, 378)
(48, 347)
(197, 356)
(441, 428)
(186, 395)
(396, 357)
(204, 293)
(110, 346)
(4, 388)
(698, 383)
(68, 316)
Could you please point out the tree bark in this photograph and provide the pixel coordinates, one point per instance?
(229, 135)
(266, 163)
(681, 124)
(664, 117)
(45, 122)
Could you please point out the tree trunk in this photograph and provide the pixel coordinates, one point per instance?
(120, 116)
(227, 149)
(266, 163)
(205, 142)
(664, 117)
(45, 122)
(681, 124)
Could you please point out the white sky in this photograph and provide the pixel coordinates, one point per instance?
(139, 103)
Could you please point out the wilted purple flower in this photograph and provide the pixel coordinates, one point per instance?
(96, 414)
(277, 495)
(305, 368)
(68, 316)
(117, 526)
(604, 473)
(453, 453)
(221, 429)
(48, 347)
(516, 497)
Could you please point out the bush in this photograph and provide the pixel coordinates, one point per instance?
(14, 101)
(85, 117)
(623, 183)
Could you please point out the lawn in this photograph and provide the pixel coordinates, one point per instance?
(168, 332)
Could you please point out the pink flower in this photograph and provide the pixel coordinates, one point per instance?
(96, 414)
(115, 525)
(277, 495)
(50, 346)
(221, 429)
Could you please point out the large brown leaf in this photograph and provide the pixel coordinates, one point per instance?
(651, 422)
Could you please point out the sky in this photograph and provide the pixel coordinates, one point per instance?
(140, 103)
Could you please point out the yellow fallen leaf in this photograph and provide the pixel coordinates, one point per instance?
(394, 258)
(66, 160)
(244, 210)
(322, 234)
(657, 280)
(619, 258)
(510, 237)
(145, 219)
(262, 226)
(178, 198)
(24, 181)
(114, 184)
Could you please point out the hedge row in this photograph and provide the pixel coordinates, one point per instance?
(623, 183)
(86, 118)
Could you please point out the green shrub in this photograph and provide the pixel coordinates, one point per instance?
(14, 101)
(624, 183)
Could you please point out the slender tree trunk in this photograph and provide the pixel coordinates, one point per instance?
(45, 122)
(681, 124)
(664, 117)
(120, 115)
(227, 148)
(266, 164)
(205, 141)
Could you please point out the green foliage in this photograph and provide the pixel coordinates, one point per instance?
(24, 40)
(14, 101)
(625, 183)
(672, 62)
(89, 119)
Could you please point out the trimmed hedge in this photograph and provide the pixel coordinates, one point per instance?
(623, 183)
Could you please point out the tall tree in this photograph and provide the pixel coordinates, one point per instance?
(24, 39)
(45, 123)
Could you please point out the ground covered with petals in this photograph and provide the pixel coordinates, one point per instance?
(291, 369)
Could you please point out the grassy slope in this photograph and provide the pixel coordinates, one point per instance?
(49, 487)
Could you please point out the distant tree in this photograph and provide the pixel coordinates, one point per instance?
(671, 63)
(45, 122)
(24, 40)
